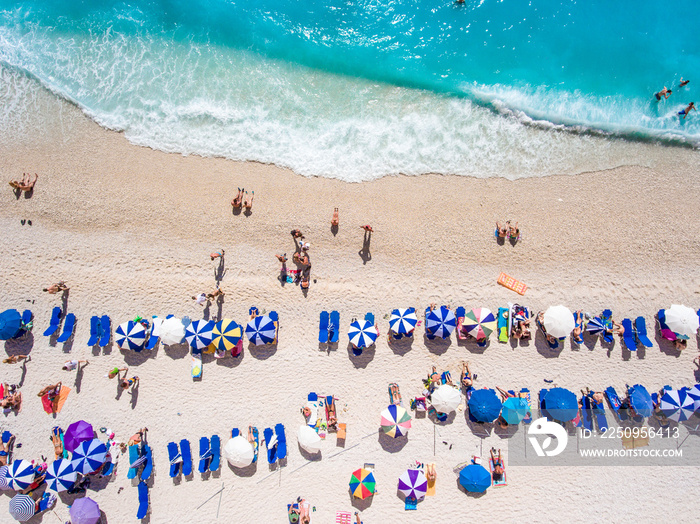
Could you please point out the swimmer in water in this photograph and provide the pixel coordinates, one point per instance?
(683, 82)
(665, 92)
(685, 112)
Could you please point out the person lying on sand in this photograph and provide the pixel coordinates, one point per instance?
(498, 470)
(467, 379)
(501, 230)
(217, 254)
(11, 400)
(129, 382)
(57, 442)
(14, 359)
(238, 199)
(26, 184)
(55, 288)
(51, 391)
(335, 220)
(5, 445)
(248, 204)
(578, 329)
(680, 344)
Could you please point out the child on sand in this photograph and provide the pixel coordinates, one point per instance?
(70, 365)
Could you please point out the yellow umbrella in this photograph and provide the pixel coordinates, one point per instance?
(226, 334)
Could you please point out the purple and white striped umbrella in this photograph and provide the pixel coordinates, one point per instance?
(89, 456)
(413, 484)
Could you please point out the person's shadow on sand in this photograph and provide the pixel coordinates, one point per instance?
(364, 253)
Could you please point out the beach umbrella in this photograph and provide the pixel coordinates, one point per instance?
(84, 511)
(60, 475)
(677, 405)
(199, 334)
(682, 320)
(395, 421)
(558, 321)
(403, 320)
(309, 439)
(4, 482)
(20, 474)
(239, 452)
(225, 335)
(171, 331)
(362, 333)
(89, 456)
(10, 324)
(261, 330)
(130, 335)
(362, 483)
(479, 323)
(515, 410)
(76, 433)
(445, 398)
(693, 393)
(640, 400)
(413, 484)
(475, 478)
(561, 404)
(22, 507)
(441, 322)
(484, 405)
(595, 326)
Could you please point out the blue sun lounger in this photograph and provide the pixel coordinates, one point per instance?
(143, 501)
(94, 330)
(599, 412)
(134, 463)
(629, 335)
(148, 464)
(54, 323)
(323, 324)
(528, 416)
(186, 457)
(68, 327)
(175, 459)
(204, 454)
(105, 331)
(271, 451)
(27, 324)
(215, 445)
(152, 340)
(281, 442)
(615, 402)
(334, 329)
(641, 326)
(542, 394)
(586, 413)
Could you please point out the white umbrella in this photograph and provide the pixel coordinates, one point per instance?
(171, 331)
(682, 320)
(309, 439)
(446, 398)
(559, 321)
(239, 452)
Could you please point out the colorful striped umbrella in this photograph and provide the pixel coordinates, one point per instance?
(440, 322)
(225, 335)
(22, 507)
(261, 330)
(20, 474)
(479, 323)
(559, 321)
(89, 456)
(475, 478)
(677, 405)
(199, 334)
(76, 433)
(484, 405)
(682, 320)
(515, 409)
(4, 482)
(362, 333)
(693, 393)
(395, 421)
(60, 476)
(362, 483)
(445, 398)
(413, 484)
(403, 320)
(640, 400)
(560, 404)
(130, 335)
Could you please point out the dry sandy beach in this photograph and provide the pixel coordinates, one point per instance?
(130, 230)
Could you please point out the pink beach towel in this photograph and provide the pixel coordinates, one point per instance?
(343, 517)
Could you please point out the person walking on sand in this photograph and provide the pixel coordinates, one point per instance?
(685, 112)
(367, 228)
(296, 233)
(282, 258)
(200, 299)
(248, 204)
(217, 292)
(217, 254)
(665, 92)
(55, 288)
(26, 184)
(238, 199)
(70, 365)
(335, 220)
(115, 371)
(129, 382)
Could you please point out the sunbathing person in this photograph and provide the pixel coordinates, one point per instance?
(7, 440)
(540, 324)
(55, 288)
(578, 327)
(15, 358)
(304, 517)
(434, 379)
(12, 400)
(504, 394)
(129, 382)
(332, 416)
(138, 438)
(501, 231)
(238, 199)
(294, 513)
(395, 394)
(51, 391)
(467, 379)
(57, 441)
(498, 470)
(248, 204)
(680, 344)
(335, 220)
(447, 378)
(26, 184)
(430, 472)
(513, 231)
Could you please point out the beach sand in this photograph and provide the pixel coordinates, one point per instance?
(130, 230)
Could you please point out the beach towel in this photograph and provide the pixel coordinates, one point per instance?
(343, 517)
(48, 406)
(431, 485)
(511, 283)
(501, 482)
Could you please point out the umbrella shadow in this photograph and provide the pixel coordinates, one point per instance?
(262, 352)
(402, 346)
(311, 457)
(470, 345)
(543, 347)
(362, 360)
(248, 471)
(478, 429)
(365, 253)
(177, 351)
(469, 493)
(20, 346)
(432, 415)
(437, 346)
(360, 504)
(230, 362)
(136, 358)
(505, 433)
(391, 444)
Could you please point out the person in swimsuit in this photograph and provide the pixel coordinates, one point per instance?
(15, 358)
(467, 379)
(12, 399)
(367, 228)
(513, 231)
(294, 513)
(335, 221)
(498, 470)
(665, 92)
(578, 329)
(296, 233)
(217, 292)
(217, 254)
(282, 258)
(70, 365)
(129, 382)
(685, 112)
(26, 184)
(115, 371)
(55, 288)
(248, 204)
(501, 231)
(236, 202)
(7, 440)
(683, 82)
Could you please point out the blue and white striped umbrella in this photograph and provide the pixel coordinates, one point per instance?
(199, 334)
(362, 333)
(22, 507)
(89, 456)
(441, 322)
(4, 483)
(595, 326)
(20, 474)
(403, 320)
(60, 476)
(130, 335)
(677, 405)
(693, 393)
(260, 330)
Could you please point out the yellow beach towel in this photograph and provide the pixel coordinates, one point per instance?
(511, 283)
(431, 485)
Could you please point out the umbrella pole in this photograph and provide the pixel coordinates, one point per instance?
(221, 494)
(214, 495)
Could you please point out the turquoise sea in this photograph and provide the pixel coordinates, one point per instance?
(356, 89)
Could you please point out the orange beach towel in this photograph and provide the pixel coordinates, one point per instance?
(59, 404)
(511, 283)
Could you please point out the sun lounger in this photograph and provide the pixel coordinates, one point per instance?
(68, 327)
(323, 325)
(215, 447)
(334, 329)
(586, 413)
(281, 442)
(543, 392)
(271, 444)
(134, 456)
(154, 337)
(186, 453)
(256, 446)
(528, 416)
(175, 459)
(204, 454)
(599, 412)
(615, 402)
(641, 328)
(94, 330)
(54, 323)
(629, 336)
(105, 331)
(143, 501)
(148, 464)
(503, 313)
(27, 323)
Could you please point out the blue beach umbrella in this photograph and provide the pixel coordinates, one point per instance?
(694, 393)
(475, 478)
(261, 330)
(89, 456)
(60, 476)
(515, 410)
(22, 507)
(362, 333)
(595, 326)
(130, 335)
(403, 320)
(4, 483)
(561, 404)
(677, 405)
(640, 400)
(484, 405)
(441, 322)
(20, 474)
(199, 334)
(10, 323)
